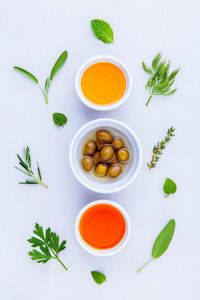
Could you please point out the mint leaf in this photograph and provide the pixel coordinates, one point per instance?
(169, 187)
(59, 119)
(98, 277)
(102, 30)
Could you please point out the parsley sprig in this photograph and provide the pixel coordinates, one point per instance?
(26, 165)
(49, 246)
(160, 81)
(157, 149)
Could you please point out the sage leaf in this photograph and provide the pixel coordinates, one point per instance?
(98, 277)
(102, 30)
(58, 64)
(169, 187)
(162, 242)
(28, 74)
(59, 119)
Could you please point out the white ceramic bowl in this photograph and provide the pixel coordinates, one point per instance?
(106, 252)
(92, 61)
(104, 184)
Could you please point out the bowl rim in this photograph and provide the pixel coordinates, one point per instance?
(89, 62)
(92, 124)
(110, 251)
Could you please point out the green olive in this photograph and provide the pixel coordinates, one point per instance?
(113, 160)
(123, 155)
(114, 170)
(87, 163)
(89, 148)
(100, 145)
(96, 157)
(118, 143)
(106, 153)
(101, 170)
(104, 136)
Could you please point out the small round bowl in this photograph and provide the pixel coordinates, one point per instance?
(105, 252)
(92, 61)
(105, 185)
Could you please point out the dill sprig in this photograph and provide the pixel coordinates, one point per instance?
(26, 165)
(160, 81)
(157, 150)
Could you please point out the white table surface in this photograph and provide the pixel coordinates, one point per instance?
(33, 34)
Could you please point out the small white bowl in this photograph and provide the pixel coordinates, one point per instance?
(104, 252)
(92, 61)
(105, 185)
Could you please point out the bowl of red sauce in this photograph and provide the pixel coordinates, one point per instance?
(102, 228)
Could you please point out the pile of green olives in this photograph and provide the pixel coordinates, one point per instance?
(105, 155)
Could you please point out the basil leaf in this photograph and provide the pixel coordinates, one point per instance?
(58, 64)
(98, 277)
(59, 119)
(28, 74)
(169, 187)
(163, 240)
(102, 30)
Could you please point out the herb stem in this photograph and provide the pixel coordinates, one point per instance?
(44, 94)
(145, 265)
(39, 181)
(149, 99)
(61, 263)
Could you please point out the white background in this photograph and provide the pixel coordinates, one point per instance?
(33, 34)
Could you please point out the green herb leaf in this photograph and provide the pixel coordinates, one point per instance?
(98, 277)
(48, 245)
(58, 64)
(59, 119)
(160, 81)
(28, 171)
(28, 74)
(162, 242)
(169, 187)
(164, 239)
(102, 30)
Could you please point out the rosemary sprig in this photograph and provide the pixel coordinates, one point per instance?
(160, 81)
(58, 64)
(157, 150)
(26, 165)
(49, 246)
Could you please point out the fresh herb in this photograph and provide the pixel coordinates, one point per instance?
(169, 187)
(98, 277)
(58, 64)
(49, 246)
(162, 242)
(160, 81)
(26, 165)
(59, 119)
(157, 150)
(102, 30)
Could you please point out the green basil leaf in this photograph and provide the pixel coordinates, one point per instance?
(102, 30)
(169, 187)
(98, 277)
(28, 74)
(163, 240)
(59, 119)
(58, 64)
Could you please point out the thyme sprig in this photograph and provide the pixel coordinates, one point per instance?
(26, 165)
(160, 81)
(157, 149)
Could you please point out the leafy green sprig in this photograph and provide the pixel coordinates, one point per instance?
(49, 246)
(157, 150)
(58, 64)
(26, 165)
(160, 81)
